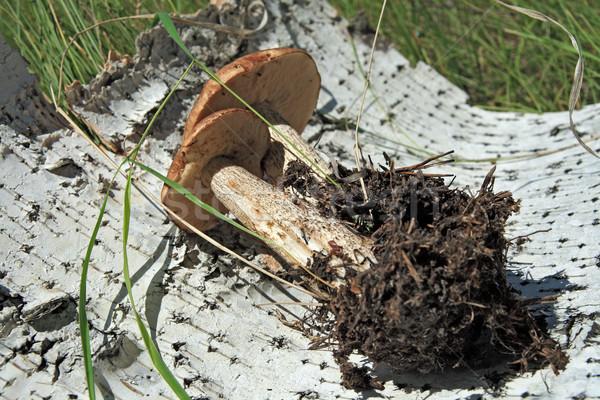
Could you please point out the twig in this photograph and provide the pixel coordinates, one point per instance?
(423, 164)
(530, 234)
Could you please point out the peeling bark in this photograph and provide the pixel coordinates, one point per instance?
(203, 307)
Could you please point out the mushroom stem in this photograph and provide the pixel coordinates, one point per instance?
(282, 151)
(296, 227)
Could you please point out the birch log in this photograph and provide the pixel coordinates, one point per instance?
(203, 308)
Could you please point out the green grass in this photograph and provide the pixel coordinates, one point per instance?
(155, 356)
(41, 30)
(503, 60)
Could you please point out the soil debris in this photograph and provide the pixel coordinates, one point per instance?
(438, 297)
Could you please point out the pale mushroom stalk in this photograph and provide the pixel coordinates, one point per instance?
(283, 86)
(296, 227)
(220, 163)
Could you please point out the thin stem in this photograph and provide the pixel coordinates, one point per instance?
(358, 156)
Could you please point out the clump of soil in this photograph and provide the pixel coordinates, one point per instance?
(438, 295)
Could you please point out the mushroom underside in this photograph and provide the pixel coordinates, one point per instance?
(235, 134)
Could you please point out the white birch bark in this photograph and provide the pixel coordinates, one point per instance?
(203, 308)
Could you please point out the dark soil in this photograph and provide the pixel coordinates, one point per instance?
(438, 297)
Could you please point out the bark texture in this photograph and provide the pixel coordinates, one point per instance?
(203, 308)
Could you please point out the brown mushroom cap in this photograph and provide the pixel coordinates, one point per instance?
(232, 133)
(286, 79)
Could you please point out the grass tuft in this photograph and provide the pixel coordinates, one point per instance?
(503, 60)
(41, 30)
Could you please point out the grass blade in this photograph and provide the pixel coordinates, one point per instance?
(577, 76)
(414, 146)
(133, 154)
(182, 190)
(150, 346)
(83, 321)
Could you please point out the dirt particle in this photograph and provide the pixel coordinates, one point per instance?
(278, 342)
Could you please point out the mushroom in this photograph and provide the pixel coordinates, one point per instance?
(283, 86)
(220, 164)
